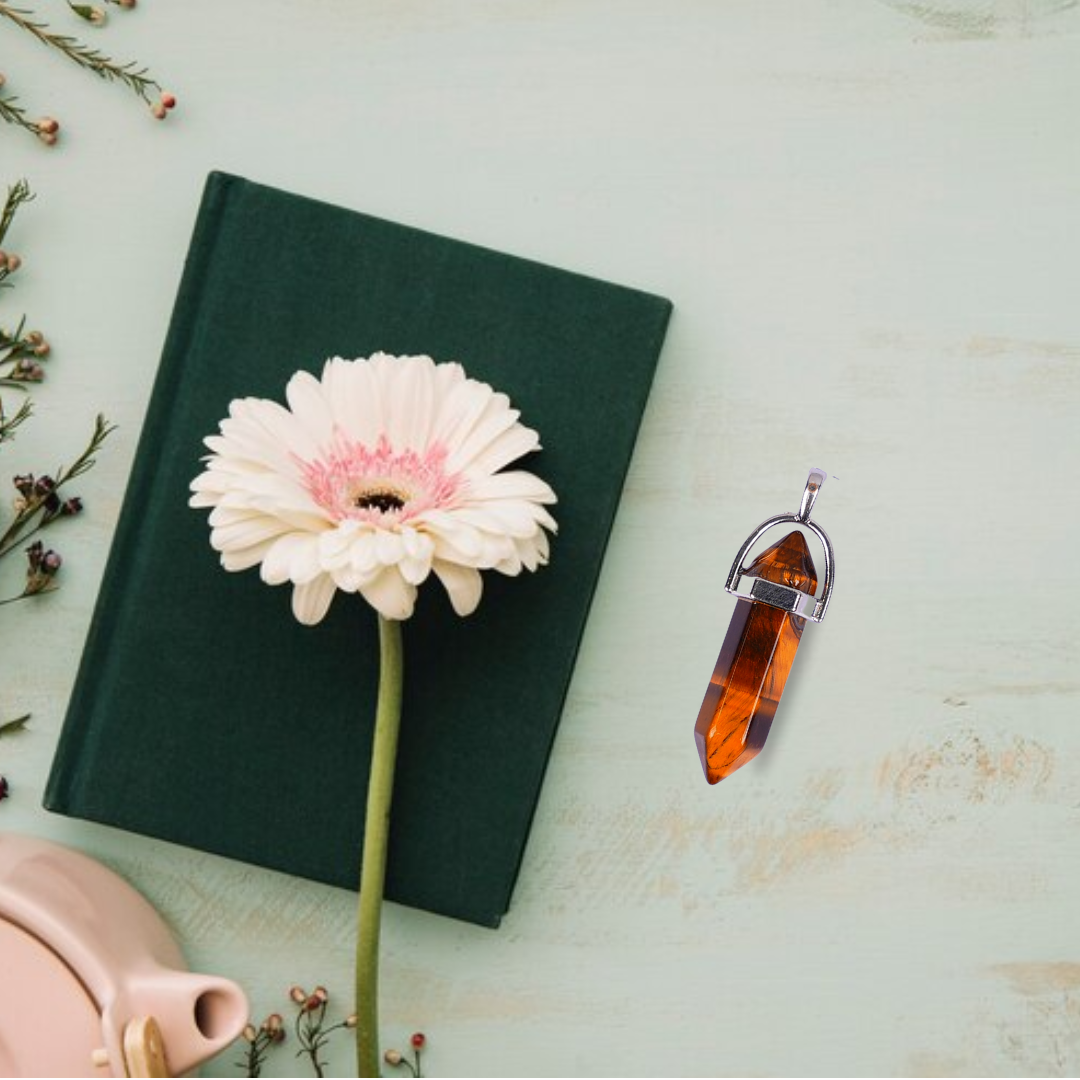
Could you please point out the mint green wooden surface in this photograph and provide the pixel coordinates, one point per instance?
(868, 216)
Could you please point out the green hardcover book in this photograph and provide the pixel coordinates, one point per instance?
(203, 712)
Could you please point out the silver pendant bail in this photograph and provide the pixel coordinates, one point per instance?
(813, 486)
(794, 601)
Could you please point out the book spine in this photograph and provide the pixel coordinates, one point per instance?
(119, 586)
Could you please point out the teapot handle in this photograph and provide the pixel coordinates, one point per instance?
(144, 1048)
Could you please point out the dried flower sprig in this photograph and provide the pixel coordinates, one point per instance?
(417, 1042)
(134, 76)
(39, 504)
(312, 1031)
(260, 1040)
(9, 422)
(39, 500)
(21, 353)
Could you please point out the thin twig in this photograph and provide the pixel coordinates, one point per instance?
(136, 79)
(18, 193)
(8, 424)
(14, 113)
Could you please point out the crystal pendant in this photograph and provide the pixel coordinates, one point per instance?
(775, 602)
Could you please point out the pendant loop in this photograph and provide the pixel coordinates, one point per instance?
(813, 487)
(782, 596)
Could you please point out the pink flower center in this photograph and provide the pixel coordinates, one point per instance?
(380, 485)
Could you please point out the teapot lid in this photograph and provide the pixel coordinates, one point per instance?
(37, 984)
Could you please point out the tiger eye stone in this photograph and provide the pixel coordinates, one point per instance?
(753, 664)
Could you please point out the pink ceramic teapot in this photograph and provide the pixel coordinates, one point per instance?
(91, 981)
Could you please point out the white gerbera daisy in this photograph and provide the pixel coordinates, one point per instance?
(376, 475)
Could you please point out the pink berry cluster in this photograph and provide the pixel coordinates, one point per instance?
(311, 1030)
(259, 1041)
(48, 130)
(164, 105)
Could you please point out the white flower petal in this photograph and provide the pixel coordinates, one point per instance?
(415, 571)
(245, 558)
(388, 547)
(293, 557)
(311, 601)
(390, 594)
(280, 426)
(449, 529)
(277, 563)
(511, 518)
(355, 399)
(363, 556)
(494, 422)
(335, 544)
(245, 532)
(309, 406)
(411, 402)
(533, 551)
(461, 408)
(510, 564)
(463, 584)
(511, 485)
(505, 448)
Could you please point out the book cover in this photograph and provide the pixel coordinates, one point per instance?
(203, 713)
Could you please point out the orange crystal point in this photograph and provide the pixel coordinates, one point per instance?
(753, 664)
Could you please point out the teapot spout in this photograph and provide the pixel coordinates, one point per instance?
(198, 1015)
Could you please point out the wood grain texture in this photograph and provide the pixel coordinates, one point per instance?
(876, 203)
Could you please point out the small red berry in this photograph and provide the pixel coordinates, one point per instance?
(418, 1040)
(168, 100)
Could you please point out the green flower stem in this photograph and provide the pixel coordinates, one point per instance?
(376, 832)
